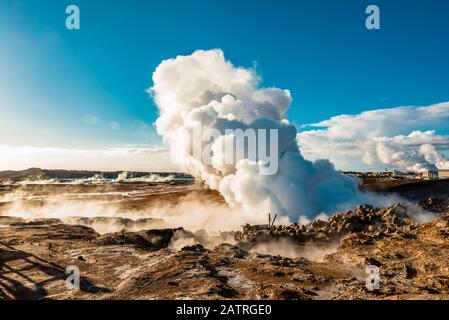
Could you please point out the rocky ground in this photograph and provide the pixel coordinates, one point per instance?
(320, 260)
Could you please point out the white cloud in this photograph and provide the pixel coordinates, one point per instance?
(114, 125)
(393, 137)
(90, 119)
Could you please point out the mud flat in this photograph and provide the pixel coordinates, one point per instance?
(414, 190)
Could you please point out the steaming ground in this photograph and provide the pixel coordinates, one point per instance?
(133, 205)
(170, 204)
(119, 205)
(125, 239)
(109, 206)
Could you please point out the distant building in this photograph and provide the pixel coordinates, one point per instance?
(435, 175)
(429, 175)
(443, 174)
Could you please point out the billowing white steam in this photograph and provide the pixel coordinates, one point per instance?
(410, 152)
(125, 176)
(433, 156)
(203, 89)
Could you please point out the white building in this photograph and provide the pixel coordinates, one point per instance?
(443, 174)
(429, 175)
(435, 175)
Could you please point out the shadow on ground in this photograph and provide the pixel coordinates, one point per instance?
(17, 283)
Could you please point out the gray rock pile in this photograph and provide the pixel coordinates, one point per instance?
(366, 220)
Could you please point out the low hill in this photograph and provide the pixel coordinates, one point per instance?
(412, 189)
(42, 174)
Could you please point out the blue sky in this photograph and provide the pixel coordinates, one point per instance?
(86, 88)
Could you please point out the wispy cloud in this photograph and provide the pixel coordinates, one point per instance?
(90, 119)
(114, 125)
(132, 158)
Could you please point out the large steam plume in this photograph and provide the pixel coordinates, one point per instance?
(203, 89)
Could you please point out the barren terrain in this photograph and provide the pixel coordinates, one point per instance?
(146, 260)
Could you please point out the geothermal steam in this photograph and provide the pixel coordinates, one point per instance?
(205, 91)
